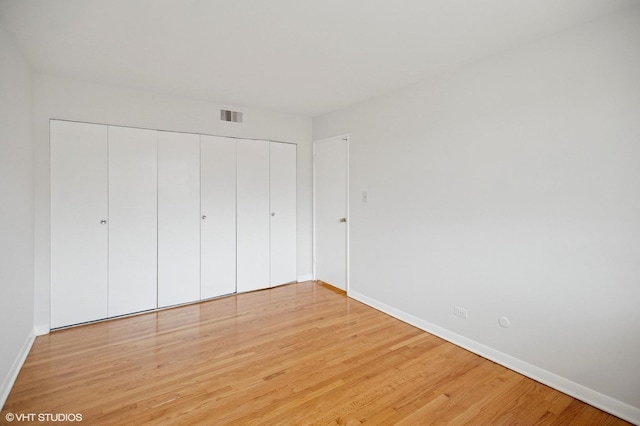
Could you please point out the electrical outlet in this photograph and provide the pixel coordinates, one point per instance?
(460, 312)
(365, 197)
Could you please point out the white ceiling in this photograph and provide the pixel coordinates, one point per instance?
(300, 56)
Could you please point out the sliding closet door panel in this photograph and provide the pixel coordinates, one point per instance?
(283, 213)
(79, 226)
(132, 220)
(178, 218)
(218, 214)
(253, 215)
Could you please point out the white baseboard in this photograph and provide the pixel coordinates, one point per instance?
(576, 390)
(305, 277)
(41, 330)
(12, 375)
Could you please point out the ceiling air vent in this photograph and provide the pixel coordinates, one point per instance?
(232, 116)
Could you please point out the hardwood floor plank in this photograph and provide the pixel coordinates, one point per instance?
(295, 354)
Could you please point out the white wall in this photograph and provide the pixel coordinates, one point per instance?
(16, 212)
(512, 187)
(80, 101)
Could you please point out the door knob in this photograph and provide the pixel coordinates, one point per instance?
(102, 222)
(204, 217)
(343, 220)
(273, 214)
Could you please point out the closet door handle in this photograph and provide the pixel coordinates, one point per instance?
(204, 217)
(102, 222)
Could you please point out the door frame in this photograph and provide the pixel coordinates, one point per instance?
(346, 138)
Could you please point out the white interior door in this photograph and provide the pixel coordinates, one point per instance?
(283, 213)
(330, 211)
(79, 228)
(218, 214)
(133, 223)
(252, 215)
(178, 218)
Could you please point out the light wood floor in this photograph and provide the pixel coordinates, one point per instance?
(297, 354)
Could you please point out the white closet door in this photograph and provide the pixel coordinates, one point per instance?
(253, 215)
(218, 214)
(178, 218)
(79, 225)
(132, 220)
(283, 213)
(331, 193)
